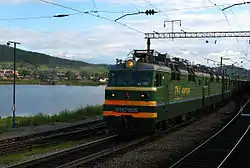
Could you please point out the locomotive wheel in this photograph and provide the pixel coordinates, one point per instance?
(171, 122)
(164, 125)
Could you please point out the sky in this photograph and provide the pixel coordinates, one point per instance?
(96, 38)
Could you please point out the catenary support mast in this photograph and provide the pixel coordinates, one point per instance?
(172, 35)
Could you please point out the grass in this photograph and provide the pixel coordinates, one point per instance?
(21, 81)
(63, 116)
(91, 68)
(15, 157)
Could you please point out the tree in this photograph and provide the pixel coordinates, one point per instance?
(69, 74)
(83, 74)
(24, 72)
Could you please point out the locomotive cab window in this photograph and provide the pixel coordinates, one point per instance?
(130, 78)
(158, 78)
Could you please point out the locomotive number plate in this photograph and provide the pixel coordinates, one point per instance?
(124, 109)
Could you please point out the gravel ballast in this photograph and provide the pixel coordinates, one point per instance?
(162, 151)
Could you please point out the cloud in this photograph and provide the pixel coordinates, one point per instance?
(105, 42)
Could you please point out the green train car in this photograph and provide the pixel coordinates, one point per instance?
(151, 91)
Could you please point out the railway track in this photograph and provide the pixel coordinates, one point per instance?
(85, 154)
(216, 151)
(239, 157)
(75, 132)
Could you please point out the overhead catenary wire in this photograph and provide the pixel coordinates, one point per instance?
(227, 22)
(236, 4)
(94, 4)
(91, 12)
(183, 49)
(195, 7)
(94, 10)
(88, 13)
(69, 14)
(40, 17)
(246, 52)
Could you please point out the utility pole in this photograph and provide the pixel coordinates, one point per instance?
(222, 90)
(172, 22)
(14, 84)
(223, 74)
(148, 49)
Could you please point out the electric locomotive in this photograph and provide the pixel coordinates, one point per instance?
(150, 91)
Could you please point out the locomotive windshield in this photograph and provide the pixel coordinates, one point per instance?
(130, 78)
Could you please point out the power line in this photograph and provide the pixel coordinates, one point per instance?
(111, 12)
(155, 7)
(236, 4)
(188, 8)
(88, 13)
(170, 21)
(40, 17)
(94, 4)
(147, 12)
(70, 14)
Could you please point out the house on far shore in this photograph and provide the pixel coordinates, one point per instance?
(103, 79)
(7, 72)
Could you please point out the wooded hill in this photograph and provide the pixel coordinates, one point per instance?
(38, 59)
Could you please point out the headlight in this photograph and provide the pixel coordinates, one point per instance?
(110, 94)
(144, 95)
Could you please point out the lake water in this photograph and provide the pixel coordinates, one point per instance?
(48, 99)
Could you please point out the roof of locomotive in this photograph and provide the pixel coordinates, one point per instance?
(141, 66)
(198, 70)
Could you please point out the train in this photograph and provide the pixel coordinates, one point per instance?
(151, 91)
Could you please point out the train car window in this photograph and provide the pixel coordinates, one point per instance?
(177, 72)
(190, 77)
(226, 84)
(193, 75)
(173, 75)
(205, 80)
(189, 74)
(178, 76)
(217, 79)
(160, 79)
(172, 72)
(211, 78)
(199, 82)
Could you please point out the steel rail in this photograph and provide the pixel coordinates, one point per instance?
(234, 148)
(60, 154)
(64, 134)
(209, 139)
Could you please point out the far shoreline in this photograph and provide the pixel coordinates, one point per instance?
(37, 82)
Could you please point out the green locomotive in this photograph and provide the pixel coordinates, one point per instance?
(151, 91)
